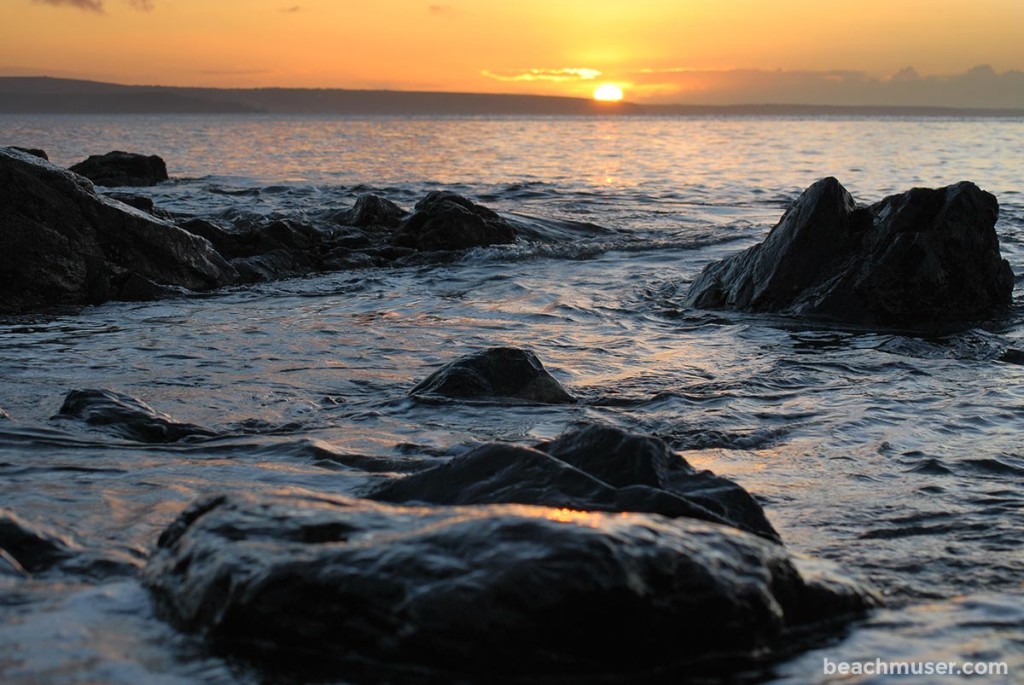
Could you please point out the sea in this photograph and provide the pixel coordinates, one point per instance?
(899, 457)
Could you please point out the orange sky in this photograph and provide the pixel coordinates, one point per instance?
(656, 50)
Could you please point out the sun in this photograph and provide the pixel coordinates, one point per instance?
(608, 92)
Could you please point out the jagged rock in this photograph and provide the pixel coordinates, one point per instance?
(127, 416)
(594, 469)
(35, 152)
(374, 211)
(119, 168)
(61, 243)
(484, 592)
(923, 257)
(446, 221)
(34, 547)
(496, 373)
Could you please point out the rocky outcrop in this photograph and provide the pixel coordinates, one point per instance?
(119, 168)
(446, 221)
(496, 373)
(61, 243)
(594, 469)
(128, 417)
(510, 591)
(921, 258)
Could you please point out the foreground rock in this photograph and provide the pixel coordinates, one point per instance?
(372, 592)
(61, 243)
(127, 416)
(118, 168)
(924, 257)
(374, 211)
(496, 373)
(594, 469)
(34, 151)
(446, 221)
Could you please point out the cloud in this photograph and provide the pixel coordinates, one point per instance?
(566, 74)
(95, 5)
(978, 87)
(441, 10)
(293, 9)
(91, 5)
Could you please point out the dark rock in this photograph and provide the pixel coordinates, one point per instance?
(33, 546)
(10, 568)
(488, 592)
(119, 168)
(4, 415)
(446, 221)
(595, 469)
(35, 152)
(127, 416)
(495, 373)
(61, 243)
(924, 257)
(374, 211)
(140, 202)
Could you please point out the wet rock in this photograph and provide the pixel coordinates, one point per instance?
(61, 243)
(264, 251)
(119, 168)
(496, 373)
(4, 415)
(923, 257)
(10, 568)
(34, 547)
(34, 151)
(128, 416)
(139, 202)
(482, 592)
(374, 211)
(594, 469)
(446, 221)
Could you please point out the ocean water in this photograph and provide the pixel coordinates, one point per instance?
(898, 457)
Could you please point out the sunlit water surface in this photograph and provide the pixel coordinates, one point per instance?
(898, 457)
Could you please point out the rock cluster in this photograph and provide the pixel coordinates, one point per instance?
(925, 257)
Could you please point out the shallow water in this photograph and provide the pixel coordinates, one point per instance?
(897, 457)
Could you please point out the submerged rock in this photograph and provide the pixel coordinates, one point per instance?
(34, 547)
(496, 373)
(61, 243)
(119, 168)
(350, 587)
(446, 221)
(127, 416)
(594, 469)
(923, 257)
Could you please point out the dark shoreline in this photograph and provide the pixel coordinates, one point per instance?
(46, 95)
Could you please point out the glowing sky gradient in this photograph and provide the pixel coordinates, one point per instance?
(713, 51)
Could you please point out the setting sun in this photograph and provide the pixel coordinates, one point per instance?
(608, 92)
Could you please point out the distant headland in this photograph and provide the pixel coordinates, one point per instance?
(47, 95)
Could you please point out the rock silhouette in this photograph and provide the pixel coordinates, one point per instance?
(923, 257)
(495, 373)
(119, 168)
(446, 221)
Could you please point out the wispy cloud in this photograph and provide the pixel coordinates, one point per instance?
(441, 10)
(977, 87)
(90, 5)
(294, 9)
(95, 5)
(566, 74)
